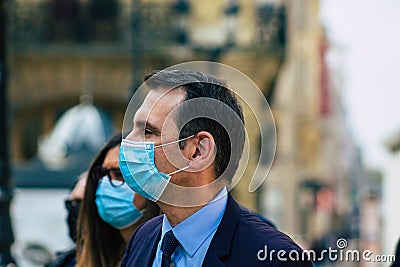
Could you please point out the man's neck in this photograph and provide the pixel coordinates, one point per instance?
(176, 214)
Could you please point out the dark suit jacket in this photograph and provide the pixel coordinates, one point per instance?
(237, 241)
(396, 263)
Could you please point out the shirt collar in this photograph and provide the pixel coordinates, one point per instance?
(194, 230)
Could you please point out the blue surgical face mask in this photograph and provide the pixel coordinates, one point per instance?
(115, 204)
(136, 160)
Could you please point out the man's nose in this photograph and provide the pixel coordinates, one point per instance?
(131, 136)
(135, 135)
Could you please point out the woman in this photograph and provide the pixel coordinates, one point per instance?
(110, 211)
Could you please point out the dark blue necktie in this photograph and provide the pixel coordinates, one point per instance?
(168, 245)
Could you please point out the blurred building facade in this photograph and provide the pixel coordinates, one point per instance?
(61, 50)
(391, 196)
(310, 192)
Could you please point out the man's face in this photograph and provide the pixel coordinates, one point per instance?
(153, 123)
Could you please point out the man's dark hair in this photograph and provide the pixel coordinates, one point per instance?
(201, 85)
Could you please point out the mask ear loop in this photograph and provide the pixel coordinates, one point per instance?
(178, 170)
(173, 142)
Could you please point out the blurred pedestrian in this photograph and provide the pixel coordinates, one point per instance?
(73, 203)
(110, 211)
(67, 258)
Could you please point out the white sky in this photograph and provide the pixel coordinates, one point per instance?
(369, 32)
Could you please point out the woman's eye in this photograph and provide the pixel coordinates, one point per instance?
(147, 131)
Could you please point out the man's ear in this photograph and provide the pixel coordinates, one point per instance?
(202, 151)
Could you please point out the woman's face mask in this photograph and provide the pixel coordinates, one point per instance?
(115, 204)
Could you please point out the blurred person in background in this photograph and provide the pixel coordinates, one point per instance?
(110, 211)
(72, 204)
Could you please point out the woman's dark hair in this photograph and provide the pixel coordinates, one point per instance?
(98, 243)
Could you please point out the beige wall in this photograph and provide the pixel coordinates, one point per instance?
(296, 112)
(44, 84)
(391, 197)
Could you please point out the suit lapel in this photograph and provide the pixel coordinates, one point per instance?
(221, 242)
(149, 247)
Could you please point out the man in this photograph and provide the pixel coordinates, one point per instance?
(196, 115)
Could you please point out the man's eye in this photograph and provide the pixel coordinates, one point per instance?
(147, 131)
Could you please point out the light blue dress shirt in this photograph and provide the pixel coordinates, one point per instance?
(194, 233)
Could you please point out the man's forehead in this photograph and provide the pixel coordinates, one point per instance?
(158, 103)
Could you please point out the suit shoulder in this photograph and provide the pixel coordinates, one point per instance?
(257, 232)
(148, 227)
(257, 244)
(142, 245)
